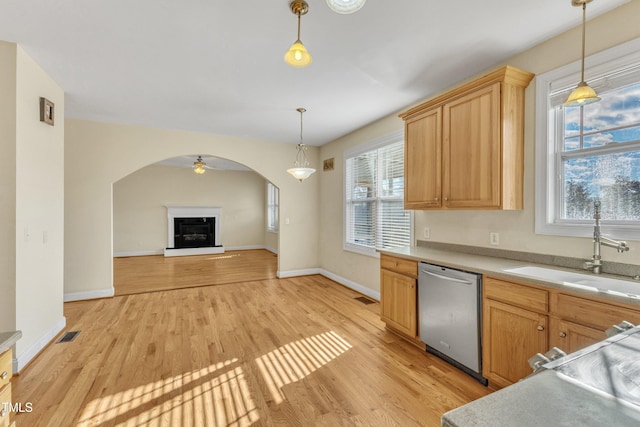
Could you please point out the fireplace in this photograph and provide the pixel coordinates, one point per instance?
(193, 230)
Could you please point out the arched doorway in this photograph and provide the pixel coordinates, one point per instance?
(248, 246)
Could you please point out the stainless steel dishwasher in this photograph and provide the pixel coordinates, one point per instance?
(450, 316)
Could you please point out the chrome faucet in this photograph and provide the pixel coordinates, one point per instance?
(595, 265)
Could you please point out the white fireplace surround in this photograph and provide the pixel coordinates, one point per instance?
(192, 212)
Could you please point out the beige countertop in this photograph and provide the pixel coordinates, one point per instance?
(8, 339)
(494, 267)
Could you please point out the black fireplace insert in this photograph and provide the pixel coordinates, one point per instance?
(194, 232)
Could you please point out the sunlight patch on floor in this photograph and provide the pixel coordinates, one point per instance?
(296, 360)
(217, 395)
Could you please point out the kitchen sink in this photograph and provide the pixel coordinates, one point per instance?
(590, 282)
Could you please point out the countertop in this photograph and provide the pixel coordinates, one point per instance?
(8, 339)
(595, 386)
(545, 399)
(494, 266)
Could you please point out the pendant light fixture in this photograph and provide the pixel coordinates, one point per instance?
(297, 55)
(583, 94)
(301, 169)
(345, 6)
(198, 166)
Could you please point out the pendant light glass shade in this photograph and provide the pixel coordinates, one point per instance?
(345, 6)
(583, 94)
(198, 166)
(297, 55)
(301, 169)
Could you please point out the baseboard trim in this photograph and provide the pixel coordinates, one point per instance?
(125, 254)
(23, 359)
(272, 250)
(137, 253)
(295, 273)
(81, 296)
(329, 275)
(351, 284)
(169, 252)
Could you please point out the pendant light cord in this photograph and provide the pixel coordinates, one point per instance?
(301, 111)
(584, 25)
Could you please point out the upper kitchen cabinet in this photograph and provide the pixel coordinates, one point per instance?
(464, 149)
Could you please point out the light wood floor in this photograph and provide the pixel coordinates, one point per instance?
(134, 275)
(290, 352)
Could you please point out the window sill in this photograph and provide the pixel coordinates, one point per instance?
(362, 250)
(618, 232)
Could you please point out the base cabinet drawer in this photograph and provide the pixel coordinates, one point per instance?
(594, 314)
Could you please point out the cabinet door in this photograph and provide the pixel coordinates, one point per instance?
(471, 155)
(570, 337)
(423, 158)
(511, 336)
(398, 302)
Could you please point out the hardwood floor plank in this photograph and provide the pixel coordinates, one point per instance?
(275, 352)
(140, 274)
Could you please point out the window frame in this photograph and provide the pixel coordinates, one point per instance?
(548, 191)
(273, 207)
(378, 143)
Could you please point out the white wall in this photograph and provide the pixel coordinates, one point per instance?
(122, 150)
(32, 204)
(140, 215)
(516, 228)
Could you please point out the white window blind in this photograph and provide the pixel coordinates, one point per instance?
(272, 207)
(374, 198)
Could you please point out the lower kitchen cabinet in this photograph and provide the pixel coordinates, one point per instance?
(511, 336)
(398, 299)
(570, 337)
(399, 295)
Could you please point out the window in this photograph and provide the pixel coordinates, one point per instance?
(374, 196)
(591, 152)
(272, 207)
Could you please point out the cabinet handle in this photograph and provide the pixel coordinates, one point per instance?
(446, 199)
(540, 328)
(4, 375)
(563, 334)
(437, 198)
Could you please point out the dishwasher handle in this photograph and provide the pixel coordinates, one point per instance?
(451, 279)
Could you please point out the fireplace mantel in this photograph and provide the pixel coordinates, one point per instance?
(174, 211)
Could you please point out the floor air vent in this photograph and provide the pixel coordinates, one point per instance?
(68, 336)
(365, 300)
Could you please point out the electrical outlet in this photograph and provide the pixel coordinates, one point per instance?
(494, 239)
(427, 233)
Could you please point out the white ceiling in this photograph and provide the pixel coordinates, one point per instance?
(217, 66)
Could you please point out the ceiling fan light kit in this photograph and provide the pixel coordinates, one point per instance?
(583, 94)
(345, 6)
(198, 166)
